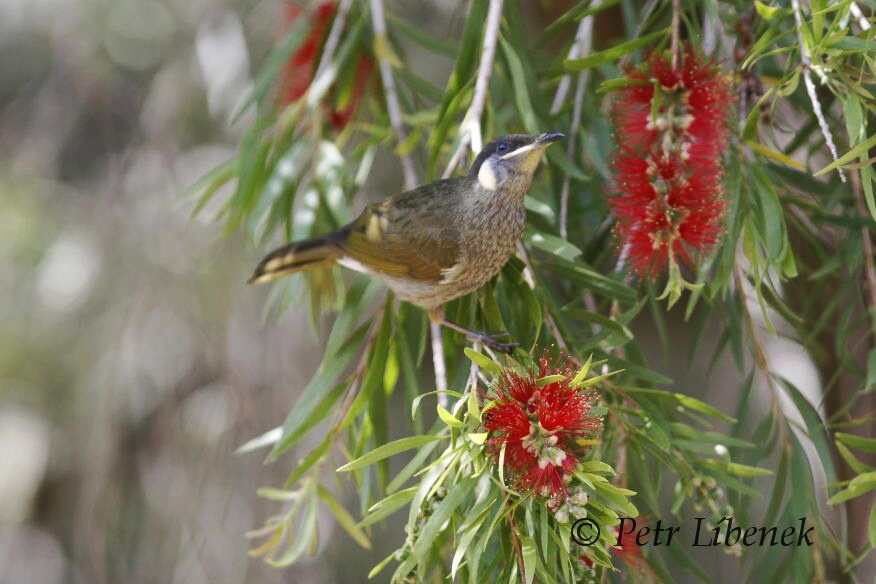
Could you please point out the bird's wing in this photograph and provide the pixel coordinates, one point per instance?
(414, 234)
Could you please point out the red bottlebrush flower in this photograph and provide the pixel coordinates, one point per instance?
(669, 198)
(298, 71)
(539, 428)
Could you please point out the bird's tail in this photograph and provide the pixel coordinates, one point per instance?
(300, 255)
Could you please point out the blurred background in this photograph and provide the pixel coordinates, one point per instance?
(133, 360)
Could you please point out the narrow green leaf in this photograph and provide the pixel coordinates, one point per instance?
(448, 418)
(482, 360)
(388, 450)
(859, 442)
(343, 517)
(530, 557)
(613, 54)
(551, 243)
(859, 150)
(442, 512)
(704, 408)
(387, 506)
(269, 438)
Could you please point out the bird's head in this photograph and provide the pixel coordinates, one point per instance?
(513, 157)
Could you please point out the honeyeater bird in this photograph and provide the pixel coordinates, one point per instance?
(435, 242)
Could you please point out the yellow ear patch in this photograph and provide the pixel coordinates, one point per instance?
(487, 176)
(376, 227)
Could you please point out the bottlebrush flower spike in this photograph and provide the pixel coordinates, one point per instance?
(541, 428)
(298, 71)
(671, 129)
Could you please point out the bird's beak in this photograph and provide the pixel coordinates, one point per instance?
(528, 156)
(549, 138)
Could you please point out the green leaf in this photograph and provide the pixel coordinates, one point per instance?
(704, 408)
(600, 319)
(871, 370)
(597, 379)
(742, 470)
(482, 360)
(269, 438)
(478, 437)
(379, 567)
(343, 517)
(448, 418)
(442, 512)
(769, 12)
(580, 11)
(851, 493)
(871, 531)
(551, 243)
(388, 450)
(441, 45)
(859, 150)
(373, 385)
(589, 278)
(308, 461)
(859, 442)
(814, 429)
(520, 87)
(415, 404)
(851, 459)
(775, 155)
(596, 466)
(474, 409)
(613, 54)
(339, 351)
(530, 557)
(387, 506)
(535, 206)
(305, 536)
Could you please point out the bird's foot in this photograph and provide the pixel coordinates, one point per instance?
(491, 342)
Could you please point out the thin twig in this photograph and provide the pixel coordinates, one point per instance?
(760, 354)
(711, 33)
(862, 20)
(392, 104)
(438, 361)
(580, 48)
(334, 37)
(529, 276)
(470, 129)
(515, 542)
(675, 47)
(806, 60)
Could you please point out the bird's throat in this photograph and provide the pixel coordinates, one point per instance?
(487, 176)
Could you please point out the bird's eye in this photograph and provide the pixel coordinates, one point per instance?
(502, 148)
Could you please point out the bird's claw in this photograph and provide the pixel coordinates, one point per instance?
(490, 341)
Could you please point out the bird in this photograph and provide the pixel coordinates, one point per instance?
(436, 242)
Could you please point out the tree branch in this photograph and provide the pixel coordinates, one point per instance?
(580, 48)
(470, 129)
(392, 105)
(806, 60)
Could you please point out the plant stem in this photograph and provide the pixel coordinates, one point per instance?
(392, 104)
(470, 130)
(806, 61)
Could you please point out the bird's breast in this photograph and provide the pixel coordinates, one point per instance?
(489, 239)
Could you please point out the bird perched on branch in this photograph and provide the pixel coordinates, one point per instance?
(436, 242)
